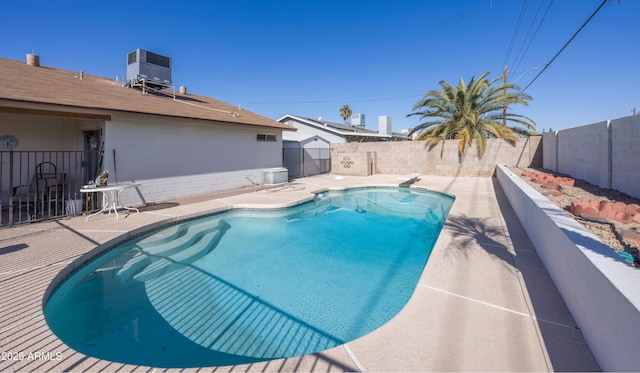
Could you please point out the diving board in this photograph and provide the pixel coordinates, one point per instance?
(410, 177)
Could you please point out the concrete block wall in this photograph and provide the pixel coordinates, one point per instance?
(168, 188)
(581, 146)
(387, 157)
(405, 157)
(351, 163)
(604, 153)
(625, 155)
(550, 150)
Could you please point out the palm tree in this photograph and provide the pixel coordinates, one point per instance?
(471, 112)
(345, 112)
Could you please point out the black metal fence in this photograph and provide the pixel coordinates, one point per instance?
(41, 185)
(303, 162)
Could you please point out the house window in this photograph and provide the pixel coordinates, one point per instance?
(271, 138)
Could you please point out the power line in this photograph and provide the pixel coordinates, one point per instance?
(566, 44)
(516, 31)
(370, 99)
(526, 49)
(526, 37)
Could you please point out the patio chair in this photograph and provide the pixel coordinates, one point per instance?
(46, 189)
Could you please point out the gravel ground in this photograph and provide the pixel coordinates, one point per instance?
(608, 233)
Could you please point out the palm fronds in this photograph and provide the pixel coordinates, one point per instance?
(471, 112)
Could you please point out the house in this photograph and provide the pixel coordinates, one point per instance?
(339, 132)
(307, 151)
(176, 144)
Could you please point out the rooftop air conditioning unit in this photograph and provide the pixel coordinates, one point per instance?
(357, 120)
(148, 66)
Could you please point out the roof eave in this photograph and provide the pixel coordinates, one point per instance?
(75, 111)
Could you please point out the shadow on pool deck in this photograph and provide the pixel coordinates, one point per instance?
(483, 303)
(547, 303)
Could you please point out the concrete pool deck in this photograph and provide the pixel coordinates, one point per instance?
(484, 301)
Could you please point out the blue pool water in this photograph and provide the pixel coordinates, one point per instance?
(246, 286)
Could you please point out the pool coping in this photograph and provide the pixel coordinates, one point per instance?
(494, 283)
(113, 244)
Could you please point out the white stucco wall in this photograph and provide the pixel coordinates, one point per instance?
(175, 158)
(44, 139)
(599, 288)
(37, 133)
(316, 143)
(171, 157)
(305, 130)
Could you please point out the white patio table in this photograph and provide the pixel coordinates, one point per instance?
(111, 198)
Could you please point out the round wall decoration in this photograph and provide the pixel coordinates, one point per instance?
(8, 142)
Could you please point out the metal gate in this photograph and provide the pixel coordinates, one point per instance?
(303, 162)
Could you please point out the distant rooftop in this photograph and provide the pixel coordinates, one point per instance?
(340, 126)
(352, 133)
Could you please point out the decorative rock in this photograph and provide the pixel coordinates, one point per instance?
(591, 212)
(552, 186)
(576, 207)
(566, 181)
(607, 213)
(623, 217)
(619, 206)
(632, 209)
(606, 204)
(632, 240)
(542, 178)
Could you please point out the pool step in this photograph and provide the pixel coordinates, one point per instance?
(152, 262)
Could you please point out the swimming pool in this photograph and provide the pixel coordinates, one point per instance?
(248, 285)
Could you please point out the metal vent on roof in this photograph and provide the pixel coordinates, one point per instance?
(156, 59)
(132, 57)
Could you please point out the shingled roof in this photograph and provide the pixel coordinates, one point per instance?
(23, 83)
(346, 131)
(342, 127)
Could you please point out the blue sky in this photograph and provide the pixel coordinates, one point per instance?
(311, 57)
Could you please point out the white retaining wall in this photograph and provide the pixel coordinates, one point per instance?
(600, 289)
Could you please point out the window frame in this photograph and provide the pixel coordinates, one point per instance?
(262, 137)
